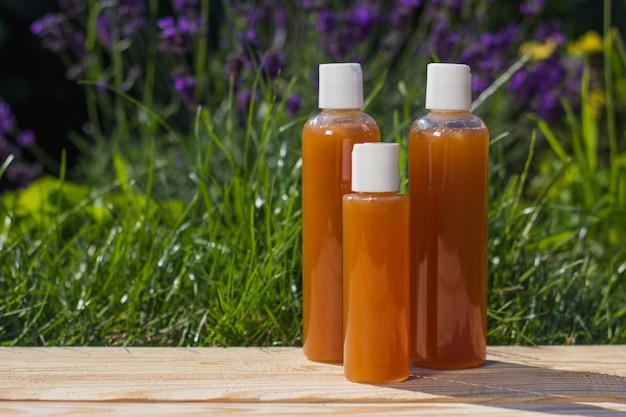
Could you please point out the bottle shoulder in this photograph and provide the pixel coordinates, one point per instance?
(449, 120)
(341, 118)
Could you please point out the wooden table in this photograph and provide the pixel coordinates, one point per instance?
(578, 380)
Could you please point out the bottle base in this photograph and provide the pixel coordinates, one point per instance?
(448, 365)
(325, 360)
(387, 380)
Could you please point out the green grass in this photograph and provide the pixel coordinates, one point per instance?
(117, 266)
(208, 253)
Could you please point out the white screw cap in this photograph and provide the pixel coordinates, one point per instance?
(375, 167)
(341, 86)
(448, 87)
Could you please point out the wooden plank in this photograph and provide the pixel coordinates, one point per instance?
(274, 381)
(116, 409)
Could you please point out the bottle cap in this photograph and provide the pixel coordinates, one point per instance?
(375, 167)
(341, 86)
(448, 87)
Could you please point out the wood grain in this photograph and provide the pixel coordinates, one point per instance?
(583, 380)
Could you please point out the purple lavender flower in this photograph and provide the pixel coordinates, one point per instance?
(362, 16)
(401, 12)
(552, 30)
(101, 85)
(531, 7)
(189, 25)
(26, 139)
(309, 4)
(185, 87)
(455, 5)
(343, 31)
(19, 173)
(250, 41)
(131, 16)
(489, 56)
(541, 84)
(184, 7)
(281, 18)
(273, 63)
(326, 22)
(360, 21)
(547, 105)
(58, 36)
(338, 47)
(175, 36)
(315, 78)
(258, 16)
(293, 104)
(235, 64)
(71, 8)
(104, 29)
(125, 16)
(479, 83)
(7, 119)
(443, 41)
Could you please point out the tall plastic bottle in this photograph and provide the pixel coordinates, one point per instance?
(448, 180)
(376, 268)
(327, 140)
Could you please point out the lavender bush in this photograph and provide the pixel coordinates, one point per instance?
(201, 47)
(139, 59)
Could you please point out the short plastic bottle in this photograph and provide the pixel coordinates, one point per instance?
(376, 268)
(448, 180)
(327, 140)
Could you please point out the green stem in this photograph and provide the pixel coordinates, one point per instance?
(506, 76)
(118, 72)
(150, 63)
(200, 64)
(92, 70)
(610, 105)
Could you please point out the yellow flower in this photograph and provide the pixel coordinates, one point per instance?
(595, 102)
(597, 98)
(587, 44)
(538, 51)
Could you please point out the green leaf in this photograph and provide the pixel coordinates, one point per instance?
(120, 171)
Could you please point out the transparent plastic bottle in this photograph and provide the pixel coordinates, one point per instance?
(376, 268)
(327, 141)
(448, 180)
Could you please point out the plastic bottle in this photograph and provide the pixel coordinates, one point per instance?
(448, 180)
(327, 140)
(376, 268)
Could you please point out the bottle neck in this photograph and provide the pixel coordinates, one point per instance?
(341, 111)
(376, 194)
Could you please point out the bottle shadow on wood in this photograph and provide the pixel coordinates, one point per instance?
(513, 386)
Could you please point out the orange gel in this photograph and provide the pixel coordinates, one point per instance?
(376, 287)
(448, 189)
(327, 141)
